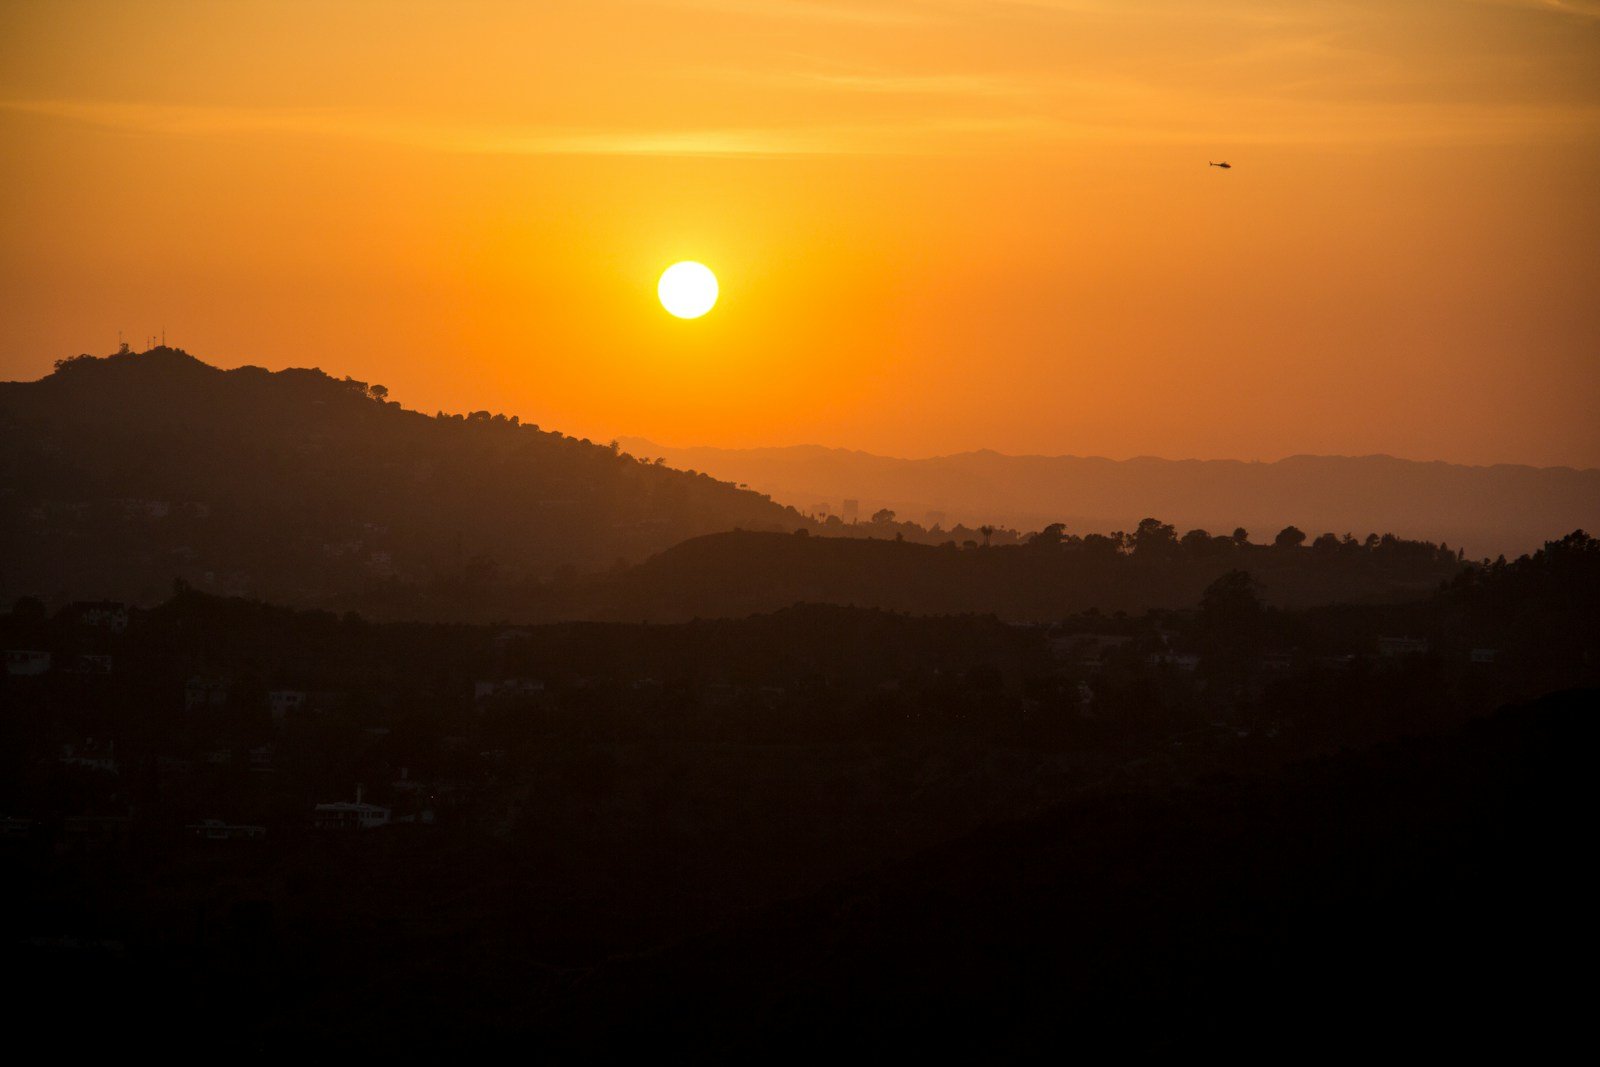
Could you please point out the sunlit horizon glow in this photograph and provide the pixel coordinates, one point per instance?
(954, 224)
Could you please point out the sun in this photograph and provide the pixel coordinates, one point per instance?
(687, 289)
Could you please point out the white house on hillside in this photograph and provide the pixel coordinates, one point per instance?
(345, 815)
(25, 661)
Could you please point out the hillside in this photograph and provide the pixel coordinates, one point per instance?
(1412, 893)
(119, 474)
(820, 828)
(1488, 510)
(742, 572)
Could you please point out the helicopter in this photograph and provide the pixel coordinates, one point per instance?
(1225, 165)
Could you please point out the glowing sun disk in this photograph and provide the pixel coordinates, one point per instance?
(687, 289)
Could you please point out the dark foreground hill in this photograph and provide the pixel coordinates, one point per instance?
(824, 829)
(1505, 508)
(119, 474)
(1421, 896)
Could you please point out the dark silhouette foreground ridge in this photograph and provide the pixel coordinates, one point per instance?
(225, 821)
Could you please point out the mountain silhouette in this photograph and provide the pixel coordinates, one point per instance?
(1488, 510)
(121, 473)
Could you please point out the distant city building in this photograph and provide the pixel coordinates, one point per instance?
(92, 663)
(97, 757)
(93, 832)
(101, 614)
(515, 633)
(202, 692)
(1277, 663)
(851, 512)
(1184, 661)
(487, 689)
(283, 702)
(1397, 647)
(26, 661)
(217, 830)
(347, 815)
(1086, 649)
(13, 828)
(146, 509)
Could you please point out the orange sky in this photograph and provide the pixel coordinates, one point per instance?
(938, 224)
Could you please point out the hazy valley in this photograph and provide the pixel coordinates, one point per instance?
(1488, 511)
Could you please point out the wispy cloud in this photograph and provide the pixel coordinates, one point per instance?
(1080, 113)
(500, 139)
(1588, 9)
(880, 83)
(212, 121)
(839, 11)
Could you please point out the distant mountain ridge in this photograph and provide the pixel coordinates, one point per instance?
(118, 474)
(1506, 508)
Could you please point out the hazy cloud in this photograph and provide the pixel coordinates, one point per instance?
(1095, 113)
(843, 11)
(881, 83)
(179, 120)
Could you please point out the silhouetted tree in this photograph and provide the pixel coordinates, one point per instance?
(1049, 537)
(882, 516)
(1231, 601)
(1101, 545)
(1231, 618)
(1289, 537)
(1154, 538)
